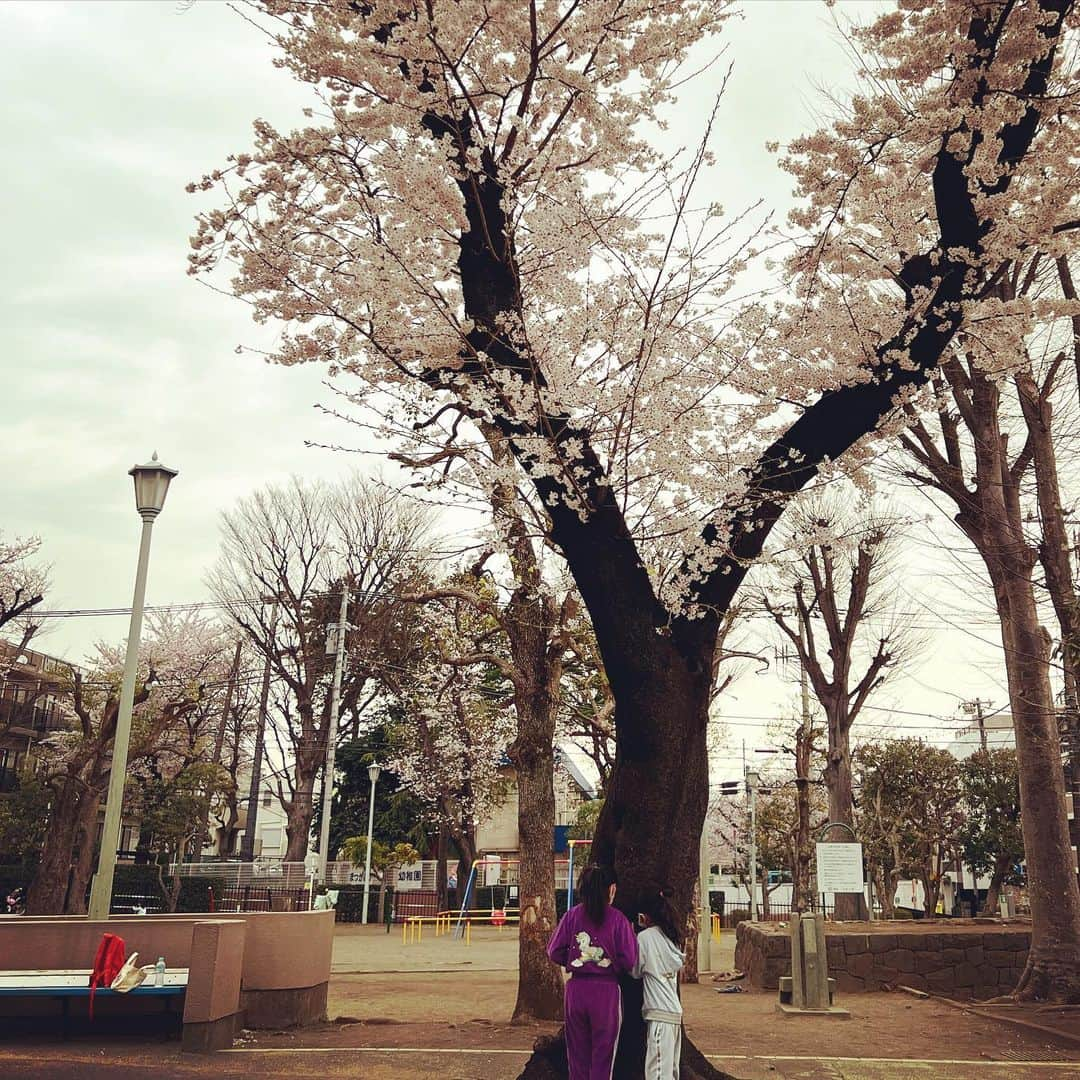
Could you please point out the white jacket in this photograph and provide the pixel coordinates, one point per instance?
(659, 964)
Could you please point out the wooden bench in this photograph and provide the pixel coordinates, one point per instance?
(64, 985)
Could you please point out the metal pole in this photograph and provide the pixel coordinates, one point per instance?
(331, 744)
(247, 851)
(753, 853)
(367, 857)
(101, 889)
(570, 878)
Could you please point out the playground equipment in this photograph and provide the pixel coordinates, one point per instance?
(493, 868)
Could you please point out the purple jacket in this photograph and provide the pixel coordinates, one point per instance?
(585, 949)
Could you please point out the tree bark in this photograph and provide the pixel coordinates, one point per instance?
(300, 809)
(540, 988)
(838, 784)
(48, 889)
(1053, 965)
(991, 516)
(993, 894)
(86, 847)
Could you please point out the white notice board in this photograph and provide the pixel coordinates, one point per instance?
(839, 868)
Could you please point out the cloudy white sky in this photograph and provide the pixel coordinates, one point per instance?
(110, 351)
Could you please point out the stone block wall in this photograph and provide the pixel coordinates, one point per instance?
(956, 958)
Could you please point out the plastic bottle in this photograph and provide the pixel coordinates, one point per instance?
(159, 971)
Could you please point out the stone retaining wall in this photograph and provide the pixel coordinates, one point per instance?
(958, 958)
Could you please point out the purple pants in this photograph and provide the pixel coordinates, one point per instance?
(593, 1020)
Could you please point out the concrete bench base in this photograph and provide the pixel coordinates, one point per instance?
(296, 1007)
(207, 1036)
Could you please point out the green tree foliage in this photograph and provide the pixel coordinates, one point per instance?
(991, 838)
(24, 815)
(399, 815)
(584, 824)
(911, 814)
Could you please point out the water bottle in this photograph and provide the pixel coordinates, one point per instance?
(159, 971)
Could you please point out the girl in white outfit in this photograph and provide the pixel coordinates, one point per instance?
(660, 959)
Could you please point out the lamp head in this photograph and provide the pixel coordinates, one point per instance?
(373, 773)
(151, 486)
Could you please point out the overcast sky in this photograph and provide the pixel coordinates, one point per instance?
(111, 352)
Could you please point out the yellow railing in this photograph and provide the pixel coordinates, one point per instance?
(443, 922)
(715, 927)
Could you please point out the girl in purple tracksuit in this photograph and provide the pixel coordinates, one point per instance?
(595, 943)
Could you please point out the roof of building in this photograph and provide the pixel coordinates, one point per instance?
(573, 770)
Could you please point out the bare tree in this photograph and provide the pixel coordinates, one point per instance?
(840, 585)
(294, 548)
(969, 461)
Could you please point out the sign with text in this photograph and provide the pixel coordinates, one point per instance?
(410, 877)
(839, 868)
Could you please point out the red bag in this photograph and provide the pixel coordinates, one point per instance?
(110, 958)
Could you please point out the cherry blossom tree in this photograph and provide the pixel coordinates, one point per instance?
(462, 234)
(189, 666)
(23, 583)
(454, 719)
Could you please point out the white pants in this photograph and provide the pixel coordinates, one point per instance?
(663, 1048)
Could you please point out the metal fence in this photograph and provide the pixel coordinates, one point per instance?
(245, 898)
(731, 916)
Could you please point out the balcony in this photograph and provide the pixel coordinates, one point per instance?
(33, 718)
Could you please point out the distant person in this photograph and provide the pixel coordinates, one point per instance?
(660, 959)
(595, 944)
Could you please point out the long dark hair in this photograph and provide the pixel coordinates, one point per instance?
(656, 902)
(594, 886)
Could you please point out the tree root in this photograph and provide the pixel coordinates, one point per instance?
(1037, 985)
(548, 1062)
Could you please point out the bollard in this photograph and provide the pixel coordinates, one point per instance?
(808, 990)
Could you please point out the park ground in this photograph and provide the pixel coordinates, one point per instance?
(439, 1010)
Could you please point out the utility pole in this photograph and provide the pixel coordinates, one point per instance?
(247, 850)
(752, 779)
(976, 707)
(331, 734)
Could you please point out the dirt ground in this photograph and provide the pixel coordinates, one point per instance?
(443, 1015)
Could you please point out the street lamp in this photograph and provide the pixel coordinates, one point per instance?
(151, 486)
(373, 776)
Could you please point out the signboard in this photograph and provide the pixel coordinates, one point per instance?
(492, 870)
(410, 877)
(839, 868)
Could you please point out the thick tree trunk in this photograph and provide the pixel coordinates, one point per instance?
(993, 894)
(48, 888)
(540, 988)
(838, 783)
(86, 848)
(299, 813)
(650, 826)
(1053, 966)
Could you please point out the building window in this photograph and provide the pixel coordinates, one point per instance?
(268, 798)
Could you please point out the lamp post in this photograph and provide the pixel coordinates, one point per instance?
(331, 736)
(151, 486)
(373, 776)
